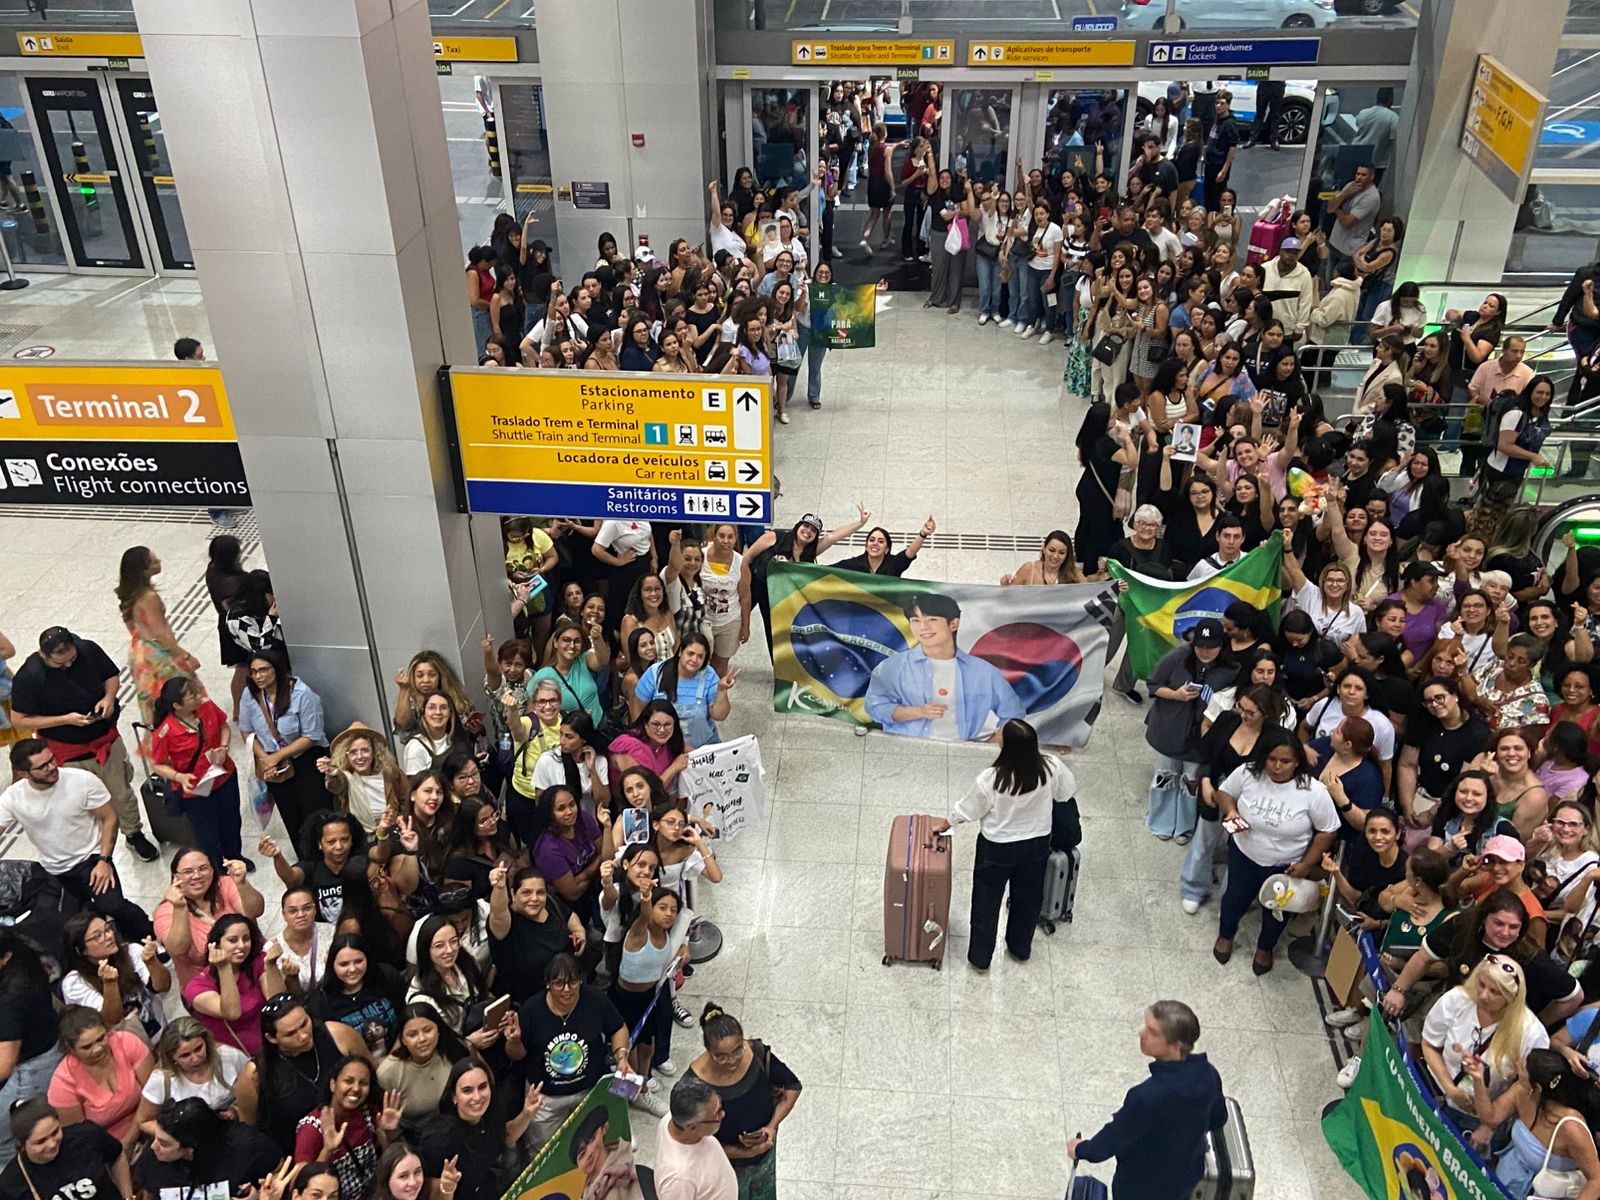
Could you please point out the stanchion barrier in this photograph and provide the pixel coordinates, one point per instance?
(41, 219)
(491, 139)
(11, 283)
(80, 166)
(147, 145)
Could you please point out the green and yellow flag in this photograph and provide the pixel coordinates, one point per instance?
(1157, 615)
(1390, 1140)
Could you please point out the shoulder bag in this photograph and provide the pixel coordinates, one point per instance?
(1122, 502)
(1108, 347)
(1556, 1185)
(286, 770)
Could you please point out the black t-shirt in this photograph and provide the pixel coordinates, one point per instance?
(245, 1156)
(1548, 980)
(569, 1054)
(896, 563)
(1224, 137)
(1523, 571)
(334, 892)
(521, 956)
(1304, 668)
(1365, 873)
(1441, 752)
(477, 1150)
(41, 690)
(1394, 697)
(1155, 562)
(1187, 161)
(81, 1169)
(1159, 174)
(701, 321)
(472, 871)
(28, 1017)
(371, 1012)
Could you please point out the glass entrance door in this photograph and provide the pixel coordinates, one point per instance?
(86, 173)
(160, 192)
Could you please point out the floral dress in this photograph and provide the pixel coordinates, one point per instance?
(150, 664)
(1077, 374)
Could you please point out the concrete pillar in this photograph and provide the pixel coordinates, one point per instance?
(1458, 222)
(316, 191)
(611, 69)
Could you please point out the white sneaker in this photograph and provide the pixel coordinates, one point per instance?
(1347, 1073)
(652, 1103)
(1024, 334)
(837, 253)
(653, 1084)
(1190, 906)
(664, 1068)
(1046, 338)
(983, 318)
(866, 245)
(1343, 1018)
(783, 418)
(1005, 322)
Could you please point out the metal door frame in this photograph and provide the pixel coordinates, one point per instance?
(747, 141)
(1015, 87)
(117, 146)
(47, 191)
(145, 217)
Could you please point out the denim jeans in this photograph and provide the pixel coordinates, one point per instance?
(1365, 307)
(1033, 309)
(988, 286)
(216, 822)
(482, 330)
(1199, 868)
(31, 1079)
(1172, 806)
(814, 357)
(1245, 877)
(1017, 290)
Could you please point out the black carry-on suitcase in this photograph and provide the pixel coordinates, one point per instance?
(173, 830)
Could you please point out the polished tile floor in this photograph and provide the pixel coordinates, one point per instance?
(919, 1085)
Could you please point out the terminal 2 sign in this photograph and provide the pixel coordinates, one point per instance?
(74, 433)
(603, 445)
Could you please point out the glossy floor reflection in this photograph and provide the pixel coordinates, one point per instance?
(919, 1085)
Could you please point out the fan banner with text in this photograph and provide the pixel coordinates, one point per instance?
(945, 661)
(1388, 1135)
(844, 318)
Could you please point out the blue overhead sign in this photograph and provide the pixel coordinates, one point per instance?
(607, 502)
(1230, 52)
(1094, 24)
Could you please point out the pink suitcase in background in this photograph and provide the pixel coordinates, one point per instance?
(916, 893)
(1267, 234)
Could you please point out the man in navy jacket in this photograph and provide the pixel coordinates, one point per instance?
(1158, 1136)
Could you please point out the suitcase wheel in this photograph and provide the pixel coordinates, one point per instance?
(887, 960)
(1049, 926)
(936, 964)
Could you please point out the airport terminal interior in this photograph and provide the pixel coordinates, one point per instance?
(345, 174)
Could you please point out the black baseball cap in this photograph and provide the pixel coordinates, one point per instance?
(1207, 632)
(54, 638)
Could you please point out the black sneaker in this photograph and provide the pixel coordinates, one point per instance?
(142, 846)
(1132, 695)
(682, 1015)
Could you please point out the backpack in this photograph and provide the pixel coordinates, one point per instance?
(1499, 404)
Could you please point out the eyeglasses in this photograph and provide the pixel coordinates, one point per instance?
(562, 985)
(1567, 824)
(1436, 698)
(47, 765)
(101, 934)
(192, 872)
(661, 726)
(547, 701)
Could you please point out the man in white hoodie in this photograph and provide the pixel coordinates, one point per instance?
(1288, 284)
(1331, 324)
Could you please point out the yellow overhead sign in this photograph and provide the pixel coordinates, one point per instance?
(140, 404)
(882, 52)
(476, 49)
(80, 45)
(1502, 124)
(607, 445)
(73, 433)
(1050, 54)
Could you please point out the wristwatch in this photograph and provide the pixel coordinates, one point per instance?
(105, 858)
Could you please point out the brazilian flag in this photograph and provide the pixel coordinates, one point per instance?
(1157, 615)
(830, 628)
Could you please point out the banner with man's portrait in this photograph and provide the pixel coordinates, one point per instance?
(944, 661)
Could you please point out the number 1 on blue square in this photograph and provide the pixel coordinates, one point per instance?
(655, 433)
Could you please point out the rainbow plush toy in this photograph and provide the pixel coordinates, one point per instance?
(1304, 487)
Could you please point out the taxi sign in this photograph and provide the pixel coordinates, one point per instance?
(612, 446)
(75, 433)
(1086, 53)
(1502, 124)
(80, 45)
(886, 52)
(475, 49)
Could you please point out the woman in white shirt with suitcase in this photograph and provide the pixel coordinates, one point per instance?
(1013, 802)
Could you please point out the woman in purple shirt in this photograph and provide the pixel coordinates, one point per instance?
(567, 848)
(1425, 611)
